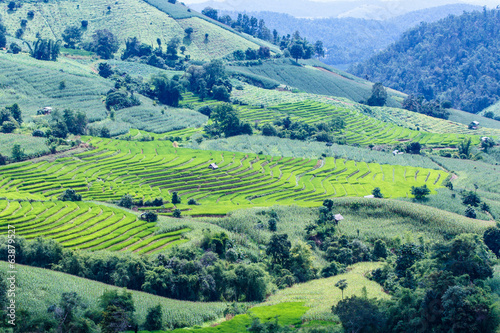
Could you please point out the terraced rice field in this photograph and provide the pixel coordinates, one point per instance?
(153, 169)
(82, 225)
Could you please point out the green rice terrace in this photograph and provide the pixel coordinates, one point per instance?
(82, 225)
(153, 169)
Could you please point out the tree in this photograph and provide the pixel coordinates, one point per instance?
(3, 38)
(154, 319)
(189, 31)
(105, 70)
(225, 120)
(272, 225)
(413, 148)
(471, 198)
(72, 35)
(420, 192)
(3, 160)
(470, 212)
(379, 249)
(220, 93)
(297, 51)
(359, 314)
(14, 48)
(210, 12)
(70, 195)
(18, 153)
(66, 313)
(269, 130)
(12, 5)
(8, 127)
(319, 49)
(126, 201)
(408, 254)
(177, 213)
(279, 249)
(104, 43)
(341, 284)
(149, 216)
(172, 46)
(176, 199)
(168, 91)
(379, 95)
(491, 238)
(44, 49)
(376, 193)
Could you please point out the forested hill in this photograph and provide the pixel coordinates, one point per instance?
(455, 59)
(350, 40)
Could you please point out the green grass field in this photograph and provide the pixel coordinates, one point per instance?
(83, 225)
(128, 18)
(153, 169)
(37, 289)
(32, 145)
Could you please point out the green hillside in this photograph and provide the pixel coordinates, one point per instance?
(454, 59)
(128, 18)
(37, 289)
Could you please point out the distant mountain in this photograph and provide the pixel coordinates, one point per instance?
(454, 59)
(366, 9)
(349, 40)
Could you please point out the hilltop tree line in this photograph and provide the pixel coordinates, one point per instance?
(293, 45)
(454, 59)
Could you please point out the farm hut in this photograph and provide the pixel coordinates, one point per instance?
(213, 166)
(395, 152)
(338, 218)
(47, 110)
(371, 196)
(484, 139)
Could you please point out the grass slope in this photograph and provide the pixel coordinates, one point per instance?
(127, 18)
(34, 84)
(37, 289)
(315, 78)
(320, 295)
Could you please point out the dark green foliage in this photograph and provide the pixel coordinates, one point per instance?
(457, 54)
(332, 269)
(226, 121)
(220, 93)
(105, 69)
(3, 38)
(341, 284)
(45, 49)
(466, 254)
(359, 314)
(278, 249)
(470, 212)
(491, 238)
(272, 225)
(104, 43)
(72, 35)
(379, 95)
(177, 213)
(430, 108)
(176, 199)
(120, 99)
(420, 192)
(192, 202)
(471, 198)
(68, 123)
(206, 110)
(297, 51)
(85, 24)
(376, 193)
(126, 201)
(18, 153)
(104, 133)
(69, 316)
(118, 311)
(379, 249)
(408, 254)
(154, 319)
(149, 217)
(168, 91)
(8, 127)
(14, 48)
(12, 5)
(70, 195)
(3, 160)
(413, 148)
(210, 12)
(134, 48)
(269, 130)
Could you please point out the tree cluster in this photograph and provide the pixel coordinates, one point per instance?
(330, 131)
(45, 49)
(431, 108)
(157, 57)
(10, 118)
(67, 122)
(454, 59)
(225, 120)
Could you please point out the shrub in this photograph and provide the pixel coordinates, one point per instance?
(8, 127)
(70, 195)
(14, 48)
(192, 202)
(126, 201)
(376, 193)
(177, 213)
(380, 250)
(149, 217)
(85, 24)
(471, 198)
(3, 160)
(420, 192)
(470, 212)
(176, 199)
(154, 318)
(334, 268)
(38, 133)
